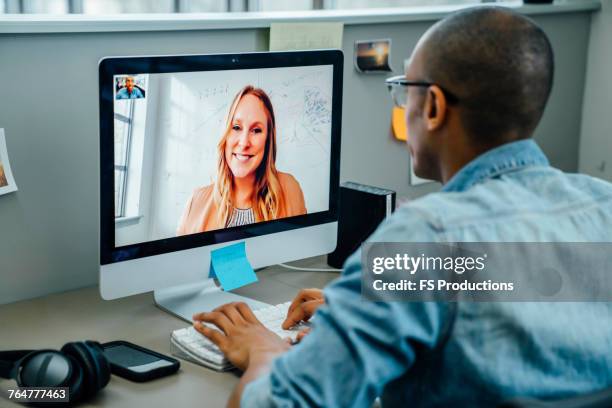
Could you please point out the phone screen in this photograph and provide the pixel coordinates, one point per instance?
(132, 359)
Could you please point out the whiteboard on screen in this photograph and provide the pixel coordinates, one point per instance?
(191, 110)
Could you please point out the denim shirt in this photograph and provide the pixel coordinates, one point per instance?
(461, 354)
(124, 94)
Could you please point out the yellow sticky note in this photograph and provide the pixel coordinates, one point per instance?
(398, 121)
(305, 36)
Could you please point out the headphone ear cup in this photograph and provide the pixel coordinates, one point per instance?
(51, 368)
(96, 372)
(97, 351)
(75, 383)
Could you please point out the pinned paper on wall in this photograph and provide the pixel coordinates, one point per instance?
(398, 123)
(230, 266)
(305, 36)
(7, 182)
(400, 132)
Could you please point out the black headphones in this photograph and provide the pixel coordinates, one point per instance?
(80, 366)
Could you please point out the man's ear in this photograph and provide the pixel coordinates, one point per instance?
(435, 108)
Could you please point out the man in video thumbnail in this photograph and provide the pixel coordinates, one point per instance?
(129, 90)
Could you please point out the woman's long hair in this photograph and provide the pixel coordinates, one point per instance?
(268, 201)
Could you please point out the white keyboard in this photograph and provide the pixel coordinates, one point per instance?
(195, 347)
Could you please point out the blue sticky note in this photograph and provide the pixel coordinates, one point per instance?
(231, 267)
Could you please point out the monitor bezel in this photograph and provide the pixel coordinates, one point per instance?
(111, 66)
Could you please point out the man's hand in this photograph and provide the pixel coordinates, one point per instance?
(303, 307)
(243, 339)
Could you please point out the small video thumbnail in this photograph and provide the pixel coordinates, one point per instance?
(130, 87)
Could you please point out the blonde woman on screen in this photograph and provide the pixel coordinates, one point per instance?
(248, 188)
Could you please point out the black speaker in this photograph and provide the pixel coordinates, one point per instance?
(361, 209)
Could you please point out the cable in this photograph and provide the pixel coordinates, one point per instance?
(296, 268)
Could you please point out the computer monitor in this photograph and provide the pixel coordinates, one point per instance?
(202, 151)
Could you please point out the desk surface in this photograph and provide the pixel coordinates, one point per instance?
(51, 321)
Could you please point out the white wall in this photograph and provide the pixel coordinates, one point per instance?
(596, 132)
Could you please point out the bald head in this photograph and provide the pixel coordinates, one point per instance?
(498, 63)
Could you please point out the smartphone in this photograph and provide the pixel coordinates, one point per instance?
(135, 363)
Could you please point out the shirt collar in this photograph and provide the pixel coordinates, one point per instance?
(502, 159)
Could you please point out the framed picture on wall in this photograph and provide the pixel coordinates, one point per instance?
(7, 182)
(373, 56)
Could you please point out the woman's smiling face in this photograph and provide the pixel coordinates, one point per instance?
(246, 141)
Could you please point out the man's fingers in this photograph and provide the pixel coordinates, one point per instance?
(232, 312)
(305, 295)
(297, 300)
(214, 335)
(200, 316)
(302, 312)
(293, 317)
(217, 318)
(302, 334)
(246, 312)
(310, 308)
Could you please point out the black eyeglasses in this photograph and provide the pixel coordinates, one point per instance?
(397, 87)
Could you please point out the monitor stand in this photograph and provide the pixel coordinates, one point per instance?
(185, 300)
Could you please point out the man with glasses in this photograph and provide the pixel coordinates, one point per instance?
(474, 91)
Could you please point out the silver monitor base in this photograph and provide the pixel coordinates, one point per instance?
(185, 300)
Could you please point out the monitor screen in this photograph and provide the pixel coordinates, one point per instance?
(212, 150)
